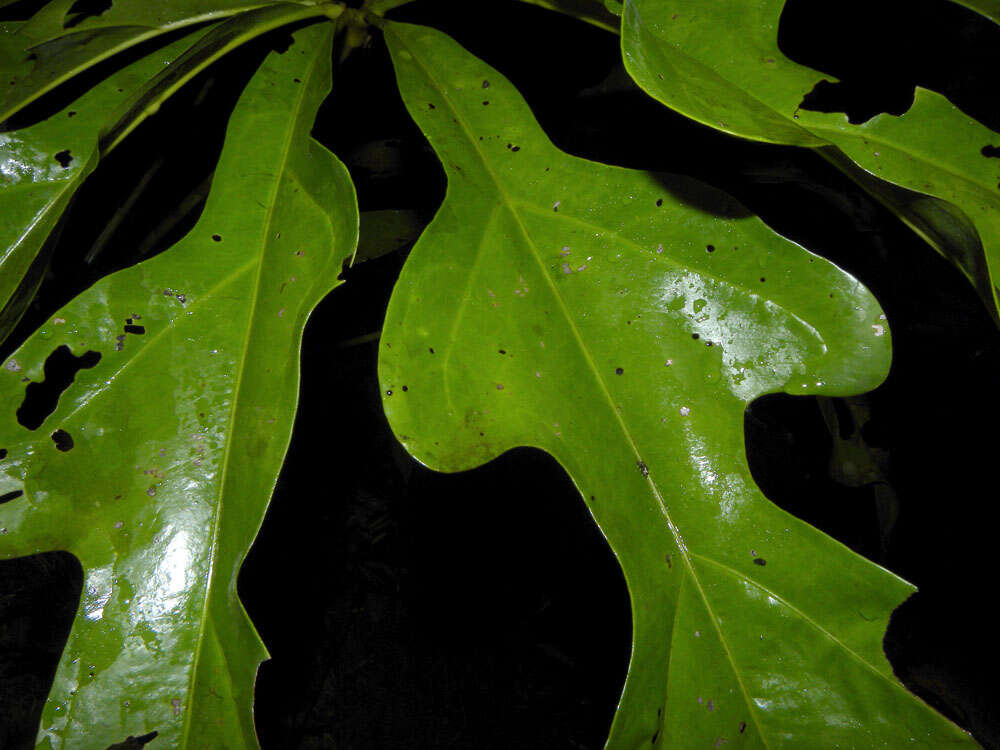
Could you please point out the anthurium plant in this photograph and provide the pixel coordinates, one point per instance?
(619, 319)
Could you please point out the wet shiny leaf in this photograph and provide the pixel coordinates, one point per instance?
(719, 63)
(157, 463)
(42, 166)
(621, 321)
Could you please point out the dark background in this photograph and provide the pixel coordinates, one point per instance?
(409, 609)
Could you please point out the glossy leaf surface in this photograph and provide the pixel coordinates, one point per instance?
(157, 464)
(621, 321)
(718, 62)
(42, 166)
(57, 46)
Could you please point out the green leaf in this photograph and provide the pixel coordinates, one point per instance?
(42, 166)
(934, 151)
(55, 53)
(179, 430)
(621, 321)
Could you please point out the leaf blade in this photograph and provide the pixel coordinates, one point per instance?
(173, 491)
(568, 305)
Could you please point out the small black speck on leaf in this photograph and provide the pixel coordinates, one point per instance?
(486, 102)
(430, 106)
(405, 389)
(486, 84)
(3, 453)
(515, 149)
(695, 336)
(991, 152)
(669, 559)
(743, 727)
(501, 351)
(65, 158)
(659, 202)
(762, 278)
(431, 350)
(759, 561)
(297, 80)
(619, 371)
(137, 330)
(643, 469)
(216, 238)
(71, 113)
(710, 248)
(388, 393)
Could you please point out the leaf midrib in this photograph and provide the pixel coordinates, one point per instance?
(678, 539)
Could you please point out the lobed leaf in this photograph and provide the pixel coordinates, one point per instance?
(42, 166)
(157, 463)
(719, 63)
(621, 321)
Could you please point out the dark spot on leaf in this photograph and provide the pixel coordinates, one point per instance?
(759, 561)
(695, 336)
(8, 496)
(297, 80)
(430, 106)
(655, 735)
(516, 149)
(137, 330)
(762, 278)
(217, 237)
(405, 389)
(486, 84)
(710, 248)
(743, 727)
(63, 440)
(40, 399)
(65, 158)
(119, 342)
(659, 202)
(485, 102)
(71, 113)
(643, 469)
(670, 561)
(501, 351)
(991, 152)
(3, 453)
(431, 350)
(388, 393)
(619, 371)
